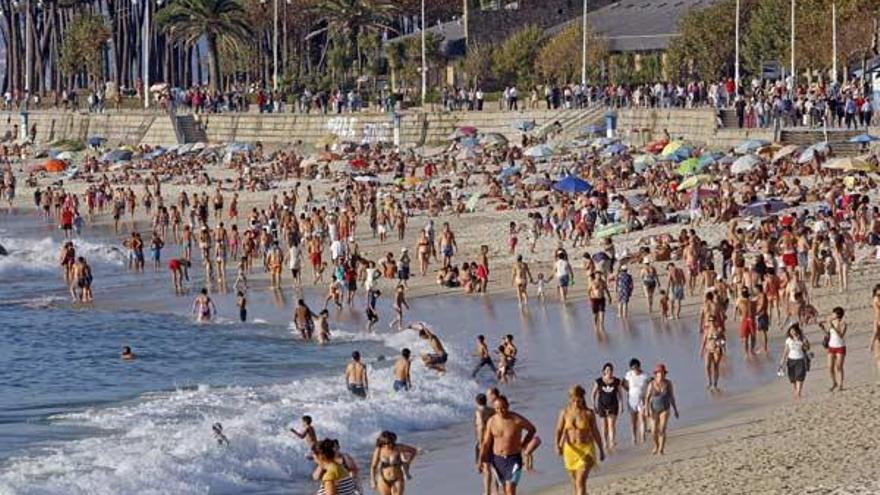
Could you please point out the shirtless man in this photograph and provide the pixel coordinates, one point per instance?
(503, 446)
(675, 287)
(598, 295)
(303, 319)
(402, 379)
(762, 316)
(179, 271)
(399, 304)
(448, 245)
(437, 359)
(484, 355)
(482, 413)
(521, 278)
(356, 376)
(745, 309)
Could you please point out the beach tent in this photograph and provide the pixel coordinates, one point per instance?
(572, 184)
(745, 164)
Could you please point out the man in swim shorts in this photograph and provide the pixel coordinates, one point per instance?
(356, 376)
(675, 287)
(402, 379)
(435, 360)
(503, 445)
(745, 308)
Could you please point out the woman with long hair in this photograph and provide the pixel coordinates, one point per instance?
(389, 467)
(578, 438)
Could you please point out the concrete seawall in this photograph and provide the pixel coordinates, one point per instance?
(636, 125)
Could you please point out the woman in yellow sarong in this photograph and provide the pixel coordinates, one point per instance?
(577, 439)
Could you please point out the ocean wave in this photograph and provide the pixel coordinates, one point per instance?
(42, 254)
(163, 442)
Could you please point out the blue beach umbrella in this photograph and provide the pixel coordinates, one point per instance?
(572, 184)
(765, 207)
(750, 146)
(539, 151)
(863, 139)
(470, 142)
(524, 125)
(614, 149)
(95, 141)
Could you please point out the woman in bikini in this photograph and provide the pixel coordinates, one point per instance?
(389, 467)
(659, 400)
(712, 344)
(577, 438)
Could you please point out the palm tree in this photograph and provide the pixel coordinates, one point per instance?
(344, 20)
(219, 21)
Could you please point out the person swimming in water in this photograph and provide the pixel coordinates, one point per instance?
(203, 307)
(127, 354)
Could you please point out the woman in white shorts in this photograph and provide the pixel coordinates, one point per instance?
(634, 382)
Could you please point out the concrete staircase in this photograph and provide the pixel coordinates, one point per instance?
(838, 139)
(189, 130)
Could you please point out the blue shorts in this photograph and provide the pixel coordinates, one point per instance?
(447, 251)
(358, 390)
(678, 292)
(563, 281)
(400, 385)
(507, 469)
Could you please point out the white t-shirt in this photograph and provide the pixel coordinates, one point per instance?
(561, 268)
(336, 250)
(636, 383)
(795, 348)
(294, 258)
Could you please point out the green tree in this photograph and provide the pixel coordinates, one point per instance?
(514, 60)
(560, 59)
(766, 36)
(218, 21)
(84, 40)
(477, 66)
(343, 21)
(705, 47)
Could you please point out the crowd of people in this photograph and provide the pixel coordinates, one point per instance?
(787, 231)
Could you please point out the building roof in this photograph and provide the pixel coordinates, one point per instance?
(639, 25)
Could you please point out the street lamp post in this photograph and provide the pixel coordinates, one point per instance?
(584, 47)
(275, 49)
(424, 64)
(23, 128)
(793, 76)
(146, 57)
(736, 63)
(834, 41)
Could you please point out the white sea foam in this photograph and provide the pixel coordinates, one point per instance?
(163, 442)
(42, 255)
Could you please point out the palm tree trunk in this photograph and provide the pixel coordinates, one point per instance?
(213, 62)
(199, 78)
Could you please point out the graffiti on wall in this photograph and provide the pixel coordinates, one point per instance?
(348, 129)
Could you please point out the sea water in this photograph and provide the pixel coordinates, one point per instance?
(75, 418)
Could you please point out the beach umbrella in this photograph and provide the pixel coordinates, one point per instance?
(680, 154)
(691, 166)
(850, 164)
(466, 154)
(694, 181)
(606, 141)
(156, 153)
(572, 185)
(656, 146)
(469, 142)
(539, 151)
(765, 207)
(494, 139)
(524, 125)
(785, 151)
(671, 148)
(117, 156)
(745, 164)
(811, 152)
(233, 148)
(368, 179)
(750, 146)
(509, 171)
(465, 131)
(641, 162)
(614, 149)
(608, 231)
(709, 158)
(95, 141)
(54, 166)
(863, 139)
